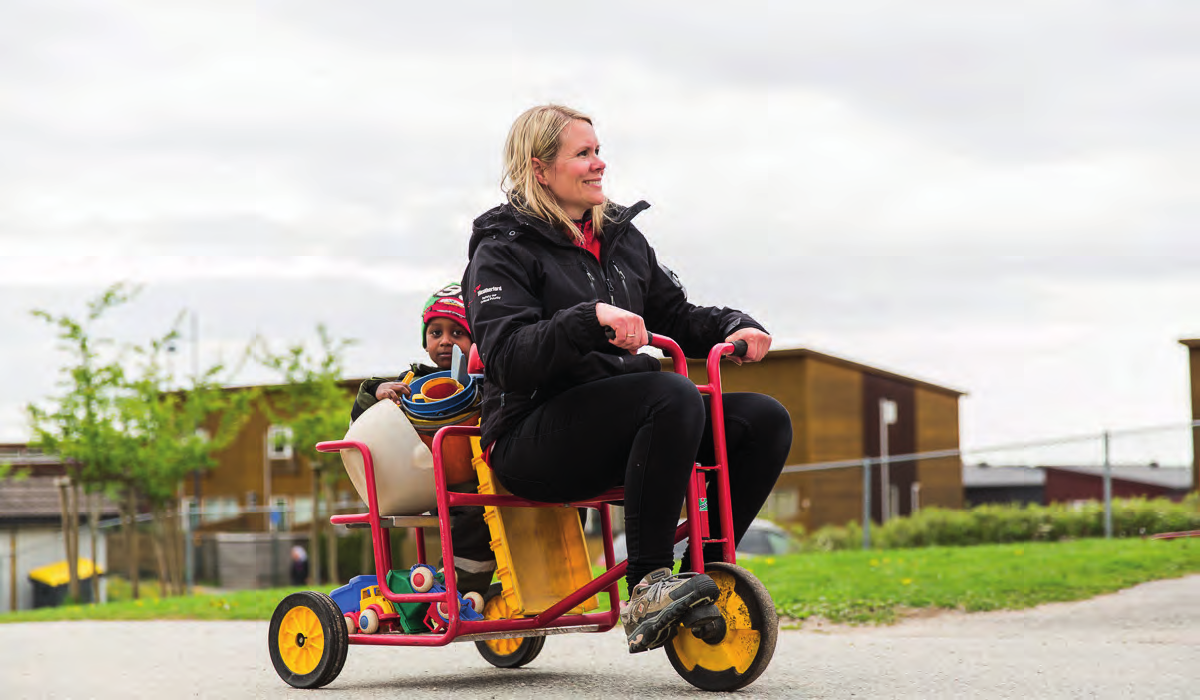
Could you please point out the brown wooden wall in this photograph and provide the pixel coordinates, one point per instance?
(834, 432)
(937, 429)
(244, 462)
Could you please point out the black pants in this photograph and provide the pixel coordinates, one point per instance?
(645, 431)
(472, 542)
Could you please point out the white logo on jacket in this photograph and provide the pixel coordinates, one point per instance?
(485, 294)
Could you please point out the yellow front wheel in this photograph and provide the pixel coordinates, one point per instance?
(734, 657)
(308, 640)
(513, 652)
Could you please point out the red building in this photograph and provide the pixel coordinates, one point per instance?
(1070, 484)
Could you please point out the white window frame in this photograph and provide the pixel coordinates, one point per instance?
(281, 436)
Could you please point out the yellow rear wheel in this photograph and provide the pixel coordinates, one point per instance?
(740, 656)
(308, 640)
(506, 653)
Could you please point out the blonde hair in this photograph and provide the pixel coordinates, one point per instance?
(536, 134)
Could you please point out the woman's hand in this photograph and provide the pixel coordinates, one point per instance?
(392, 391)
(757, 344)
(629, 328)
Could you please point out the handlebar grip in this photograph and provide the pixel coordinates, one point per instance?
(739, 348)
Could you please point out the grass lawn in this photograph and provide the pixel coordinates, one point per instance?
(848, 586)
(877, 586)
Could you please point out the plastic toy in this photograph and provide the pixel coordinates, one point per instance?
(310, 632)
(423, 580)
(372, 609)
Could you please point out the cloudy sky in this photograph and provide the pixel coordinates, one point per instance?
(997, 196)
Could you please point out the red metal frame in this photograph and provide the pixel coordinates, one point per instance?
(1175, 535)
(696, 528)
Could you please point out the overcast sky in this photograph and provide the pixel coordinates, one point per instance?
(1000, 197)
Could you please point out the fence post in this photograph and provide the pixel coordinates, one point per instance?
(1108, 528)
(189, 552)
(866, 528)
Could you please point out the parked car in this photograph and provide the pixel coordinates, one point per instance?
(764, 538)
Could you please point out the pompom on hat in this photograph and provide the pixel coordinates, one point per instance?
(446, 302)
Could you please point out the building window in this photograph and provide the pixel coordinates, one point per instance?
(218, 509)
(783, 504)
(279, 513)
(279, 442)
(303, 513)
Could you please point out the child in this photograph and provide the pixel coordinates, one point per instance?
(444, 324)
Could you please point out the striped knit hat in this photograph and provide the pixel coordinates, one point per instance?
(446, 302)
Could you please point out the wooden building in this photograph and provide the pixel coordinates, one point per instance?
(834, 404)
(835, 407)
(1075, 484)
(1193, 347)
(261, 468)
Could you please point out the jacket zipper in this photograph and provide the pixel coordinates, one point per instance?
(624, 284)
(591, 280)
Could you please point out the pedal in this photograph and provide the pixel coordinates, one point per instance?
(706, 623)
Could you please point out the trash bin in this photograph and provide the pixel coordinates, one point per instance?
(51, 583)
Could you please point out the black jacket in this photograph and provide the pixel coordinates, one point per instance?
(531, 298)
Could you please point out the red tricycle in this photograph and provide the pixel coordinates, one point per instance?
(310, 632)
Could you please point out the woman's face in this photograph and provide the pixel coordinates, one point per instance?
(574, 176)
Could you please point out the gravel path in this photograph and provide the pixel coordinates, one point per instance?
(1140, 643)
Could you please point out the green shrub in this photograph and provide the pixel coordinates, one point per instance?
(999, 524)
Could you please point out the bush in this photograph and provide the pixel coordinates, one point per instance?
(998, 524)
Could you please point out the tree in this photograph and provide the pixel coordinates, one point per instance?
(81, 426)
(174, 434)
(121, 430)
(315, 407)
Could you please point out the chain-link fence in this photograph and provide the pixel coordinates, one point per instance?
(1149, 462)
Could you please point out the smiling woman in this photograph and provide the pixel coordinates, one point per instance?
(562, 290)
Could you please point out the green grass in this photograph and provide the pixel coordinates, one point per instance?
(879, 586)
(856, 587)
(239, 605)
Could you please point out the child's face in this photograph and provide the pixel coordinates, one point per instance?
(441, 336)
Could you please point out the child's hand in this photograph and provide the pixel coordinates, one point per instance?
(392, 391)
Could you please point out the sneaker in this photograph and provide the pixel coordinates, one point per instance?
(659, 601)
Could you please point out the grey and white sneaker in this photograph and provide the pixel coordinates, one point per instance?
(659, 601)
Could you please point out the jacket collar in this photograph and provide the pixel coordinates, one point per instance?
(510, 223)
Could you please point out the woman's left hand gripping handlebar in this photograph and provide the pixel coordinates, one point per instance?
(757, 344)
(629, 330)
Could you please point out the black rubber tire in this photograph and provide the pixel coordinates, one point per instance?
(331, 635)
(506, 653)
(751, 633)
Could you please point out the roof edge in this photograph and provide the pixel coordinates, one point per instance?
(868, 369)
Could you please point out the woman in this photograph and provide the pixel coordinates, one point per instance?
(569, 413)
